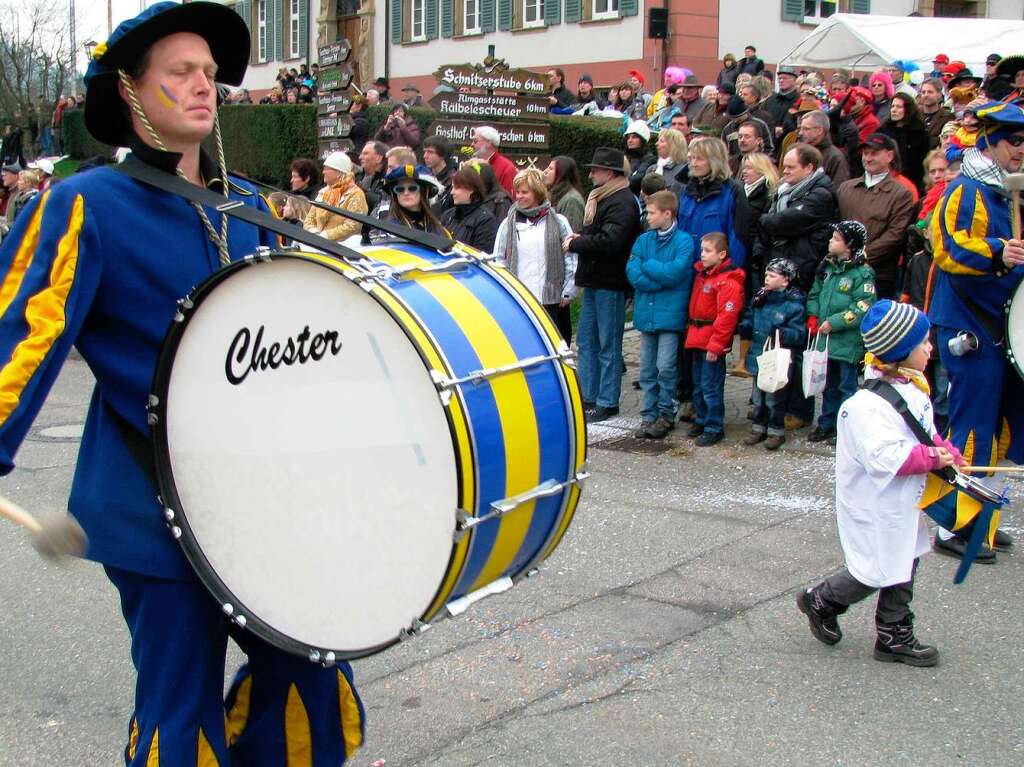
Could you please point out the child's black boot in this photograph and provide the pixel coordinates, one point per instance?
(896, 643)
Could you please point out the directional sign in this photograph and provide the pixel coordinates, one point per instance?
(335, 101)
(538, 161)
(484, 106)
(334, 79)
(517, 135)
(337, 145)
(476, 77)
(334, 126)
(335, 53)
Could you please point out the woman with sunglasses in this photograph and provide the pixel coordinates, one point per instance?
(530, 242)
(411, 188)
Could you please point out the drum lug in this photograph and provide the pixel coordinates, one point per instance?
(151, 417)
(262, 254)
(443, 385)
(185, 305)
(416, 628)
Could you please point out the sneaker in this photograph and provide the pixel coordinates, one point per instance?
(695, 431)
(774, 442)
(956, 546)
(819, 434)
(754, 438)
(644, 431)
(600, 413)
(709, 438)
(795, 422)
(687, 412)
(1003, 541)
(824, 624)
(660, 428)
(896, 643)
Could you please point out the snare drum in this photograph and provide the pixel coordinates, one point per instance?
(1015, 329)
(345, 450)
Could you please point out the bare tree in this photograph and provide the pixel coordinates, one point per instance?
(36, 60)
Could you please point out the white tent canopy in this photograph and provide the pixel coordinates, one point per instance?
(848, 40)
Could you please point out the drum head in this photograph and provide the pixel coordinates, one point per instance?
(1015, 329)
(309, 457)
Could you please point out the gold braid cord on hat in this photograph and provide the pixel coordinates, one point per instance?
(218, 239)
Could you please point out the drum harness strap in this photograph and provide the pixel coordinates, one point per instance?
(175, 185)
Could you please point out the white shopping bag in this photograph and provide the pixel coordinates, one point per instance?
(773, 365)
(815, 367)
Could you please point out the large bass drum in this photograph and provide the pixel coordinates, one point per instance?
(349, 450)
(1015, 329)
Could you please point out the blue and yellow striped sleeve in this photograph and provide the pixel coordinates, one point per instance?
(45, 293)
(961, 233)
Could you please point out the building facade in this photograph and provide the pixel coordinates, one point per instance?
(407, 40)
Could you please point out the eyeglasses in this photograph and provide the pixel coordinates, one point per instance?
(403, 188)
(1015, 140)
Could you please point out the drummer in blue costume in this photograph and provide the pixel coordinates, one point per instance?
(980, 266)
(98, 261)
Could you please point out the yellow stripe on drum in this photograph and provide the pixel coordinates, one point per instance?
(576, 399)
(457, 414)
(511, 394)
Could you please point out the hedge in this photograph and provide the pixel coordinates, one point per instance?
(261, 140)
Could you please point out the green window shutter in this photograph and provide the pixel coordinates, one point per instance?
(303, 28)
(792, 10)
(431, 13)
(627, 7)
(487, 15)
(504, 15)
(244, 9)
(573, 11)
(552, 12)
(396, 22)
(447, 18)
(860, 6)
(278, 24)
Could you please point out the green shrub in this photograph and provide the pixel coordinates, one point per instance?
(261, 141)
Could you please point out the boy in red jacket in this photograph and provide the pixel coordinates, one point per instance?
(716, 302)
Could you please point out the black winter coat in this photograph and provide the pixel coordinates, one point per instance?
(472, 224)
(605, 243)
(801, 232)
(759, 201)
(639, 164)
(913, 142)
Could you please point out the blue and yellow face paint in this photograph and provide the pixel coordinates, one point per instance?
(166, 97)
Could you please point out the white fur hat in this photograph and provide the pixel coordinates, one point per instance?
(339, 161)
(639, 128)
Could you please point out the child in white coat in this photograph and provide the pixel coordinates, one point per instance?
(880, 475)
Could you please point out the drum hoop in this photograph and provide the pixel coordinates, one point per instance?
(1016, 358)
(520, 293)
(170, 501)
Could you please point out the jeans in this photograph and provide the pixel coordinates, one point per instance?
(840, 385)
(599, 338)
(46, 141)
(769, 411)
(841, 590)
(709, 391)
(658, 372)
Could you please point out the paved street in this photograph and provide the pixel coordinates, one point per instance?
(662, 632)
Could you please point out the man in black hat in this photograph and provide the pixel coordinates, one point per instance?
(1011, 68)
(994, 86)
(108, 258)
(611, 222)
(688, 98)
(884, 205)
(383, 89)
(739, 114)
(784, 99)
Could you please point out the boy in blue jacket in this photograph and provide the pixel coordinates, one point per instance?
(776, 306)
(660, 269)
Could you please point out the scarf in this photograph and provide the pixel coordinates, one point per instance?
(554, 259)
(749, 189)
(984, 170)
(664, 235)
(894, 372)
(333, 194)
(617, 184)
(786, 191)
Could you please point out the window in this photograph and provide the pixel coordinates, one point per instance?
(471, 17)
(261, 33)
(419, 20)
(817, 10)
(533, 13)
(294, 31)
(605, 9)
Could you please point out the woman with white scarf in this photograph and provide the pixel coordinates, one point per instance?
(672, 153)
(530, 242)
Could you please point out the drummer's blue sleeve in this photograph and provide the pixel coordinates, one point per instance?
(49, 278)
(969, 229)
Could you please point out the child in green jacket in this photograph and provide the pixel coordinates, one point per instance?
(843, 291)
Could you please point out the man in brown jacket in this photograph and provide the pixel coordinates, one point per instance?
(934, 114)
(884, 206)
(815, 130)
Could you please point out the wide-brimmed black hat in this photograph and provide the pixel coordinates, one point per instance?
(960, 77)
(1010, 65)
(608, 158)
(736, 107)
(223, 29)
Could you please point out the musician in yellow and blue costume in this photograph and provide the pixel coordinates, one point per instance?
(979, 266)
(98, 261)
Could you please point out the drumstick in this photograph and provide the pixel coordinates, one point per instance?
(1004, 469)
(1014, 182)
(53, 538)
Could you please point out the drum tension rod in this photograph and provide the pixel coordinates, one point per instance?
(445, 385)
(416, 627)
(464, 522)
